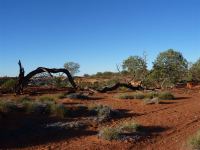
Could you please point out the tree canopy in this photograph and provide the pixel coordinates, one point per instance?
(72, 67)
(136, 66)
(170, 65)
(195, 70)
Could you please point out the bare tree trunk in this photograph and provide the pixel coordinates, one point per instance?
(24, 80)
(18, 86)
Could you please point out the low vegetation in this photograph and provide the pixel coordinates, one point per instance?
(8, 85)
(118, 132)
(103, 113)
(109, 133)
(36, 107)
(194, 142)
(146, 96)
(130, 127)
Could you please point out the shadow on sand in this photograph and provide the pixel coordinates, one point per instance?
(26, 132)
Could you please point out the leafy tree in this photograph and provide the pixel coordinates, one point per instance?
(194, 71)
(72, 67)
(170, 66)
(136, 66)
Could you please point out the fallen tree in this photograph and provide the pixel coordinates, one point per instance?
(24, 80)
(118, 85)
(112, 88)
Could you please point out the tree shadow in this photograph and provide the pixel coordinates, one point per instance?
(181, 98)
(95, 98)
(124, 113)
(33, 133)
(70, 103)
(163, 102)
(152, 130)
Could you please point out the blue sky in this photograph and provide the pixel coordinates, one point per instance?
(98, 34)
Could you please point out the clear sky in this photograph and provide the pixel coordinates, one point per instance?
(98, 34)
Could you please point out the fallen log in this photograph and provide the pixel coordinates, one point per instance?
(118, 85)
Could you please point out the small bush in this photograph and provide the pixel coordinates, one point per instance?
(139, 96)
(103, 113)
(120, 132)
(46, 98)
(194, 142)
(63, 95)
(165, 96)
(36, 108)
(49, 108)
(126, 96)
(60, 111)
(8, 86)
(151, 95)
(7, 106)
(24, 99)
(110, 133)
(132, 96)
(130, 127)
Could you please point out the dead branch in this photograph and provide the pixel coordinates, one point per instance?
(118, 85)
(24, 80)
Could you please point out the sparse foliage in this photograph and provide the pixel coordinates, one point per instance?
(194, 142)
(72, 67)
(136, 66)
(8, 86)
(194, 71)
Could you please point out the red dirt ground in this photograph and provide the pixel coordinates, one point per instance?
(170, 123)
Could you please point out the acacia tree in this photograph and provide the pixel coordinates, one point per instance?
(136, 66)
(194, 70)
(72, 67)
(169, 66)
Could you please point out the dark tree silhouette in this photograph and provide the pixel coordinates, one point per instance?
(24, 80)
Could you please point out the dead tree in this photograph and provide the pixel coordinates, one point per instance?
(24, 80)
(19, 85)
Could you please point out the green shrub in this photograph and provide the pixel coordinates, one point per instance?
(103, 113)
(129, 127)
(120, 131)
(110, 133)
(139, 95)
(60, 111)
(7, 106)
(148, 96)
(33, 107)
(8, 86)
(165, 96)
(194, 142)
(24, 99)
(63, 95)
(49, 108)
(46, 98)
(131, 96)
(151, 95)
(126, 96)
